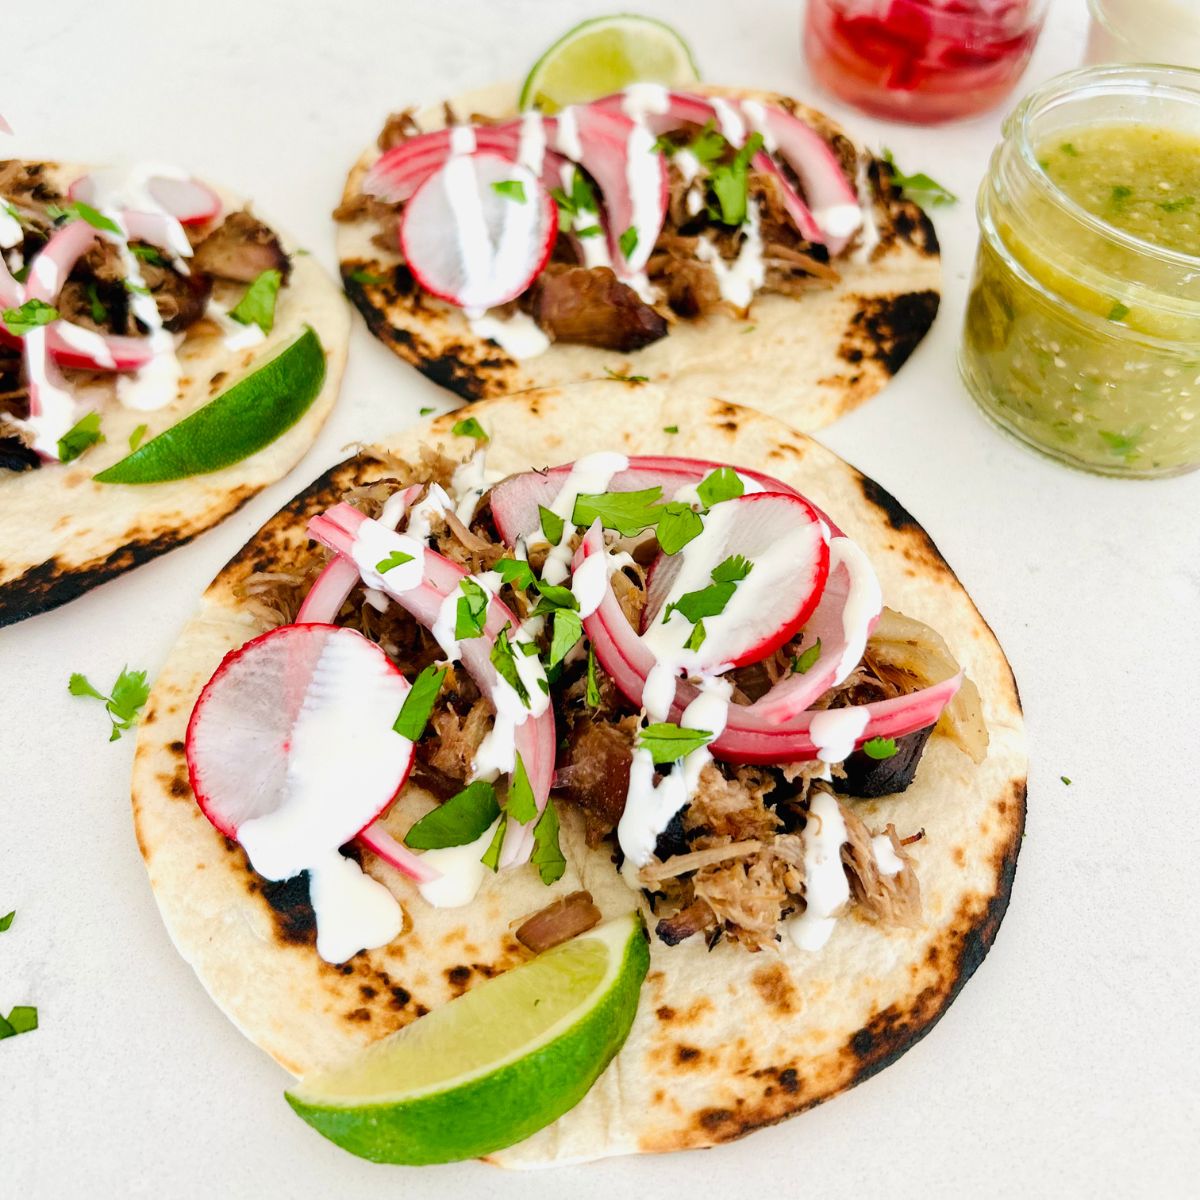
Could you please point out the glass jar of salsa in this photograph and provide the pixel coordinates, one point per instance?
(1082, 332)
(921, 60)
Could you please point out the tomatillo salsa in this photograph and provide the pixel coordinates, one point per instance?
(1083, 325)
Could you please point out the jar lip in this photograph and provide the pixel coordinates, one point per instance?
(967, 25)
(1101, 11)
(1148, 76)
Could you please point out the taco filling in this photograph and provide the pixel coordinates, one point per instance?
(690, 654)
(609, 223)
(111, 285)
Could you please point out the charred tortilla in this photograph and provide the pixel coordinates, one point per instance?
(64, 534)
(725, 1040)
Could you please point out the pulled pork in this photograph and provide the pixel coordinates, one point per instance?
(558, 922)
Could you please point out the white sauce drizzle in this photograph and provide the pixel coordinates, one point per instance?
(531, 149)
(729, 121)
(870, 225)
(517, 335)
(462, 871)
(86, 341)
(57, 405)
(462, 139)
(469, 481)
(11, 233)
(588, 475)
(567, 135)
(887, 861)
(756, 113)
(838, 220)
(737, 281)
(864, 601)
(640, 100)
(826, 888)
(353, 911)
(835, 731)
(238, 336)
(373, 544)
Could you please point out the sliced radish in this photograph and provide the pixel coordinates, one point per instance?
(381, 843)
(472, 245)
(56, 259)
(343, 529)
(184, 198)
(290, 746)
(788, 555)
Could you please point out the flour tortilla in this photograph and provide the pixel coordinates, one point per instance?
(64, 534)
(724, 1041)
(806, 360)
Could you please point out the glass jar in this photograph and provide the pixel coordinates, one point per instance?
(921, 60)
(1158, 31)
(1081, 338)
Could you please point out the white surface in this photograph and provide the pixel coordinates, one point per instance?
(1067, 1067)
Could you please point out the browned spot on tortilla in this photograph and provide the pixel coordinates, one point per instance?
(359, 1014)
(665, 1013)
(774, 985)
(180, 787)
(177, 748)
(960, 858)
(400, 997)
(458, 978)
(887, 328)
(686, 1056)
(367, 991)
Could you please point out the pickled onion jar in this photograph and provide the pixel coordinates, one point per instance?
(922, 61)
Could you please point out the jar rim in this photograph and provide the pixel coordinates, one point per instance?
(968, 25)
(1102, 13)
(1149, 77)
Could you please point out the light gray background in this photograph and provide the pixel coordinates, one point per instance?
(1067, 1067)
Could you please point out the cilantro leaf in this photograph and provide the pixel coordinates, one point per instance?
(668, 743)
(520, 805)
(7, 920)
(491, 856)
(547, 855)
(802, 663)
(552, 525)
(515, 571)
(1124, 444)
(589, 231)
(98, 307)
(397, 558)
(705, 602)
(257, 306)
(709, 144)
(626, 512)
(470, 427)
(23, 1018)
(129, 693)
(555, 596)
(677, 526)
(628, 241)
(568, 629)
(362, 275)
(729, 182)
(879, 748)
(424, 412)
(670, 429)
(79, 685)
(140, 289)
(136, 437)
(1062, 777)
(920, 188)
(148, 254)
(723, 484)
(1118, 312)
(504, 660)
(77, 210)
(620, 378)
(457, 822)
(592, 695)
(418, 704)
(471, 614)
(510, 189)
(30, 315)
(696, 639)
(733, 570)
(82, 436)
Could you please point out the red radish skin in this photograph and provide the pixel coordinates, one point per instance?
(189, 201)
(206, 774)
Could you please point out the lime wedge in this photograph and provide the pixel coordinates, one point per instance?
(234, 425)
(493, 1066)
(604, 55)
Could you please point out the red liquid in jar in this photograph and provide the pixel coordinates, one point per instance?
(921, 60)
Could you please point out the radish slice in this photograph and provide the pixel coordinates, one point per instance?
(290, 747)
(472, 245)
(381, 843)
(343, 529)
(54, 262)
(186, 199)
(788, 555)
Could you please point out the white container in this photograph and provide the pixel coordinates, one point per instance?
(1155, 31)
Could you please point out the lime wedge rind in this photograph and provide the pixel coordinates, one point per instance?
(244, 419)
(502, 1101)
(587, 49)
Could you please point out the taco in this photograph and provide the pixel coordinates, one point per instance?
(792, 744)
(732, 242)
(139, 311)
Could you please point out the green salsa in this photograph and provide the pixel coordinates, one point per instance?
(1079, 338)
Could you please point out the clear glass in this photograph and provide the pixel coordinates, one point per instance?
(922, 61)
(1081, 339)
(1158, 31)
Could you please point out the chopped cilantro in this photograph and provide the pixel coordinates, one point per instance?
(257, 306)
(471, 614)
(98, 307)
(668, 743)
(552, 525)
(555, 596)
(491, 856)
(140, 289)
(84, 434)
(803, 662)
(504, 659)
(520, 805)
(30, 315)
(589, 231)
(547, 855)
(1069, 150)
(7, 920)
(728, 182)
(733, 570)
(708, 145)
(696, 639)
(620, 378)
(457, 822)
(1121, 193)
(510, 189)
(470, 427)
(749, 328)
(582, 199)
(704, 602)
(515, 571)
(592, 695)
(424, 412)
(628, 241)
(148, 254)
(22, 1019)
(678, 525)
(1121, 443)
(137, 436)
(1062, 777)
(129, 693)
(418, 704)
(77, 210)
(362, 275)
(627, 513)
(722, 484)
(879, 748)
(1178, 205)
(919, 188)
(397, 558)
(670, 429)
(568, 629)
(1118, 312)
